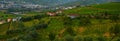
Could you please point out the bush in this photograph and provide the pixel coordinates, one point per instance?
(33, 34)
(115, 30)
(52, 36)
(11, 39)
(69, 38)
(116, 39)
(68, 22)
(101, 39)
(40, 26)
(78, 38)
(84, 21)
(13, 32)
(87, 38)
(70, 31)
(37, 17)
(115, 17)
(26, 19)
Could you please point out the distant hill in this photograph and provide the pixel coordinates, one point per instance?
(60, 2)
(42, 2)
(107, 7)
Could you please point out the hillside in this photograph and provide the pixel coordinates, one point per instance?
(108, 7)
(90, 23)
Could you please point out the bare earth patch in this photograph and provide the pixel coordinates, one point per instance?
(107, 34)
(81, 29)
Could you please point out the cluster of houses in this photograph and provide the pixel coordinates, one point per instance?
(11, 4)
(4, 5)
(54, 13)
(32, 6)
(72, 16)
(66, 8)
(71, 7)
(10, 20)
(16, 13)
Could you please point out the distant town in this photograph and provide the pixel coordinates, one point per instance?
(6, 5)
(20, 9)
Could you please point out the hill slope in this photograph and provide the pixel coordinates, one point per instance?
(109, 7)
(64, 28)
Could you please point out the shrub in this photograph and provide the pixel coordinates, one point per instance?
(13, 31)
(11, 40)
(33, 34)
(52, 36)
(26, 19)
(40, 26)
(78, 38)
(84, 21)
(115, 30)
(69, 38)
(116, 39)
(114, 17)
(101, 39)
(88, 38)
(70, 31)
(37, 17)
(67, 22)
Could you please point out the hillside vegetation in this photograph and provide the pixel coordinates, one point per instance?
(93, 23)
(111, 8)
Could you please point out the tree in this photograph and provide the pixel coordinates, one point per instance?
(40, 26)
(115, 31)
(79, 38)
(11, 39)
(87, 38)
(68, 22)
(31, 36)
(37, 17)
(69, 38)
(101, 38)
(13, 31)
(85, 21)
(52, 36)
(114, 17)
(70, 31)
(27, 19)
